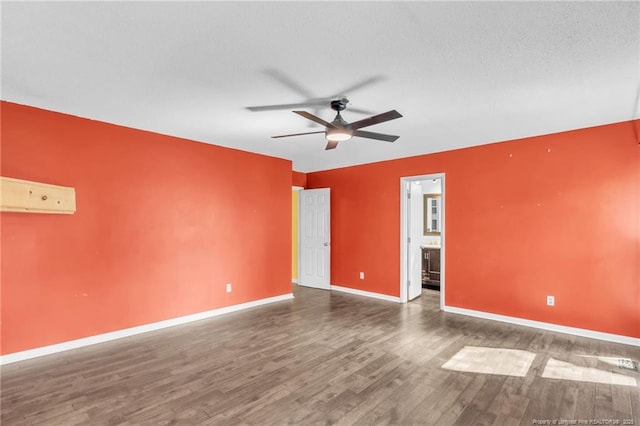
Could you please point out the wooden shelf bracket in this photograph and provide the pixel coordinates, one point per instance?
(17, 195)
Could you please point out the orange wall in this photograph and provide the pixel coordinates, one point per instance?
(551, 215)
(162, 224)
(299, 179)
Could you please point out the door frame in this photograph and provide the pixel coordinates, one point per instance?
(404, 234)
(297, 189)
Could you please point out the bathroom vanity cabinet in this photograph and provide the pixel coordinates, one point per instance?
(431, 267)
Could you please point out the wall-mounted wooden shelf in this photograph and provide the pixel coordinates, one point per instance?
(24, 196)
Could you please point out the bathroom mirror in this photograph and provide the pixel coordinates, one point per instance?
(432, 214)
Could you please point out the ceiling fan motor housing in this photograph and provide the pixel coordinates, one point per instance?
(339, 104)
(341, 130)
(340, 122)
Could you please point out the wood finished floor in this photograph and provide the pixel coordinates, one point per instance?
(323, 358)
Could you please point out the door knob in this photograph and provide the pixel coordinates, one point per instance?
(326, 244)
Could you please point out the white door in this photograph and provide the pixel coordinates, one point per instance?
(315, 241)
(416, 217)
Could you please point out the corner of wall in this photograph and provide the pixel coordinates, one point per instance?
(299, 179)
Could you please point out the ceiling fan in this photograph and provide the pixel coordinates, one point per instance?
(340, 130)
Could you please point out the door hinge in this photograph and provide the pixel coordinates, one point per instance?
(409, 240)
(408, 284)
(408, 195)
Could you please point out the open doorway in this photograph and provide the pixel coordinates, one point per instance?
(422, 235)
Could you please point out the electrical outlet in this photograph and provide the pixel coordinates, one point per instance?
(362, 275)
(228, 287)
(551, 301)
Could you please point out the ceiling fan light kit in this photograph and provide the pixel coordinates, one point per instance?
(340, 130)
(338, 135)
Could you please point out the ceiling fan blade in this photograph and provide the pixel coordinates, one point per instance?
(312, 117)
(360, 111)
(359, 85)
(331, 144)
(310, 103)
(376, 136)
(376, 119)
(289, 82)
(296, 134)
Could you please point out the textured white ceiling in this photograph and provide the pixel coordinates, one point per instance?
(461, 73)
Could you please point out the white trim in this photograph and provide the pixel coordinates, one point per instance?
(616, 338)
(404, 182)
(297, 189)
(366, 293)
(113, 335)
(299, 245)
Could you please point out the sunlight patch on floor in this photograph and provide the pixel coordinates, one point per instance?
(505, 362)
(556, 369)
(626, 363)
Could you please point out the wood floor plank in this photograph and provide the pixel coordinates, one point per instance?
(569, 403)
(440, 401)
(586, 404)
(321, 358)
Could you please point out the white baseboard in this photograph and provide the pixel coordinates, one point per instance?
(365, 293)
(608, 337)
(113, 335)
